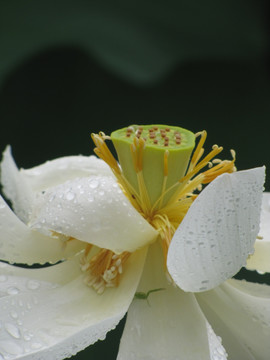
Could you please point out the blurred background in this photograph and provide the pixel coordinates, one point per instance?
(69, 68)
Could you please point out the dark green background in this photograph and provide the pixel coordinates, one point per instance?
(69, 68)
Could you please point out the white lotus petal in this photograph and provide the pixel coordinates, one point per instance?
(19, 243)
(240, 312)
(218, 232)
(15, 187)
(58, 322)
(170, 325)
(96, 211)
(260, 260)
(57, 171)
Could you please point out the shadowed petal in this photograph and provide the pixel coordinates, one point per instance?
(169, 324)
(61, 273)
(240, 313)
(96, 211)
(19, 243)
(260, 260)
(218, 232)
(15, 187)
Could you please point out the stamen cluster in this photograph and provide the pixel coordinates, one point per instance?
(103, 269)
(174, 199)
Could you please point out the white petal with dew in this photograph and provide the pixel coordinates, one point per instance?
(57, 171)
(20, 244)
(218, 232)
(240, 312)
(260, 260)
(15, 187)
(96, 211)
(168, 325)
(55, 323)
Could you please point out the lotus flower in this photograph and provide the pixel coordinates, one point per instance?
(147, 237)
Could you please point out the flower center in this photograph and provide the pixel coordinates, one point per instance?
(160, 179)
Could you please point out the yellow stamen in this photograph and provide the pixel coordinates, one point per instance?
(104, 153)
(104, 269)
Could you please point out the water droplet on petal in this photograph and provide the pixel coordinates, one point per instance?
(13, 290)
(33, 285)
(70, 196)
(27, 337)
(36, 346)
(93, 184)
(14, 314)
(13, 330)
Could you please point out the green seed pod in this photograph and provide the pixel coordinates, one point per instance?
(153, 158)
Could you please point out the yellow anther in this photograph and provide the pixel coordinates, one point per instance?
(103, 269)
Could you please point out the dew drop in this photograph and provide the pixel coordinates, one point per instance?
(14, 314)
(13, 330)
(94, 184)
(27, 337)
(33, 285)
(36, 346)
(221, 351)
(51, 198)
(13, 290)
(70, 196)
